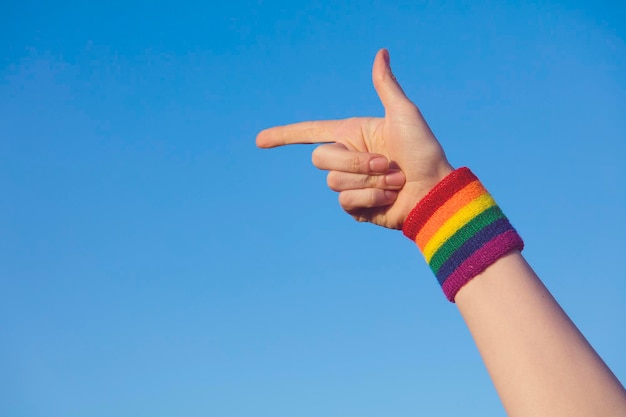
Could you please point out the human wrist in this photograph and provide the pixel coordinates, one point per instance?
(460, 230)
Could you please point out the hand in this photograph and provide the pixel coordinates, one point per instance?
(368, 155)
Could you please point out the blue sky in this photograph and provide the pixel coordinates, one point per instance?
(154, 262)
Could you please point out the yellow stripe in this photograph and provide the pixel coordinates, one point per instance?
(454, 223)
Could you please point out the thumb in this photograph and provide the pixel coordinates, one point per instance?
(389, 91)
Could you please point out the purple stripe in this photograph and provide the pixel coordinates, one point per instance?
(472, 245)
(480, 260)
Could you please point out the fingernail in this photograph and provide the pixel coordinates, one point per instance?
(379, 165)
(388, 63)
(386, 56)
(395, 178)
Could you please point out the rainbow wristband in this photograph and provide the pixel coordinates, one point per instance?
(460, 230)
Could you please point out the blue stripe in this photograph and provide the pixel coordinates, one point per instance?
(472, 245)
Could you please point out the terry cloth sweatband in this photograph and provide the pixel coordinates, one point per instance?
(460, 230)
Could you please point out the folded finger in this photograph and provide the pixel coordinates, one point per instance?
(343, 181)
(336, 157)
(352, 200)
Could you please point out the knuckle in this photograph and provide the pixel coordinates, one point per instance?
(356, 165)
(316, 158)
(372, 198)
(374, 181)
(357, 215)
(333, 180)
(345, 201)
(411, 109)
(319, 156)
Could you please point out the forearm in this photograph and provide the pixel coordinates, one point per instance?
(541, 365)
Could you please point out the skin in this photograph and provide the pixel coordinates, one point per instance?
(365, 149)
(540, 363)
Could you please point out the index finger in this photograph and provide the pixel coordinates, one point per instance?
(323, 131)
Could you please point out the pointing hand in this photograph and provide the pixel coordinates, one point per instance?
(381, 167)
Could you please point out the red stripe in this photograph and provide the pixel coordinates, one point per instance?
(435, 198)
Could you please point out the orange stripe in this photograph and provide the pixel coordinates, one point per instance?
(459, 200)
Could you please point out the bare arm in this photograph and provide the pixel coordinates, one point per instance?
(540, 363)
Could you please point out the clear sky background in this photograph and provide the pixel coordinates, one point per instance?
(153, 262)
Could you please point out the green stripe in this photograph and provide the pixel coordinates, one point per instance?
(463, 234)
